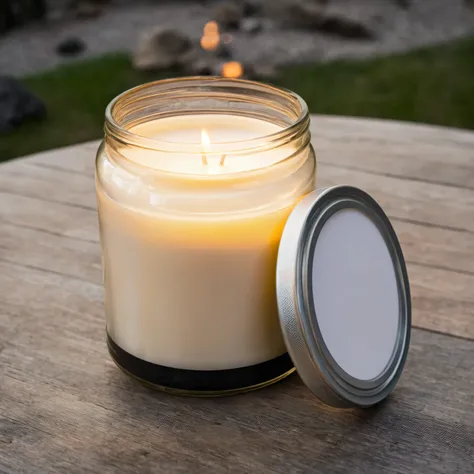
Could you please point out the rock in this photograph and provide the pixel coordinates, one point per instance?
(304, 14)
(161, 48)
(70, 46)
(17, 104)
(345, 27)
(190, 56)
(228, 14)
(251, 25)
(312, 15)
(197, 62)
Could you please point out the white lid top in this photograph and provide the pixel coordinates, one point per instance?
(343, 297)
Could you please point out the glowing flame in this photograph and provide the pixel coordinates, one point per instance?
(211, 28)
(210, 42)
(210, 39)
(232, 69)
(205, 140)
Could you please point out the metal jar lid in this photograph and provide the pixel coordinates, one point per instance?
(344, 297)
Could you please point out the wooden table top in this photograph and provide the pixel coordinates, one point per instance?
(65, 407)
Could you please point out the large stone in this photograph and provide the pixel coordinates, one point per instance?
(303, 14)
(316, 15)
(197, 62)
(161, 48)
(228, 14)
(17, 104)
(344, 26)
(295, 13)
(70, 46)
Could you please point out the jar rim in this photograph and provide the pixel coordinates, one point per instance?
(188, 87)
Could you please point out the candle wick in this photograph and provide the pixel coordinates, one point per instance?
(204, 159)
(221, 163)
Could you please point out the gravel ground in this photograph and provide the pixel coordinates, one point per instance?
(425, 22)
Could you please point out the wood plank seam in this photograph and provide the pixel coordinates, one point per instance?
(56, 234)
(391, 217)
(440, 267)
(99, 285)
(430, 224)
(49, 271)
(323, 162)
(29, 162)
(49, 232)
(43, 199)
(441, 333)
(395, 175)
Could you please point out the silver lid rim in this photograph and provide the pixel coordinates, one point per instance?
(305, 344)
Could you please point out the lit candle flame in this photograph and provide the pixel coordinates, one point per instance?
(205, 142)
(210, 42)
(211, 28)
(232, 69)
(211, 38)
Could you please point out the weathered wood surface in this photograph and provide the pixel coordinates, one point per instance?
(64, 407)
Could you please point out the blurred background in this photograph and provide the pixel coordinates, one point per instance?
(62, 61)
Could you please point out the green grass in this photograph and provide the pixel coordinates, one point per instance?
(76, 96)
(434, 85)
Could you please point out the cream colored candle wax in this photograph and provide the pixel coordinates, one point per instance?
(189, 251)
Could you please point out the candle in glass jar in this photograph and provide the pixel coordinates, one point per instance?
(195, 180)
(194, 290)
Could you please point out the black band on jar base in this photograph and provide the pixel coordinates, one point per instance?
(202, 382)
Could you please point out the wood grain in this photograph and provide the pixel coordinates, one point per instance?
(432, 266)
(78, 413)
(48, 217)
(434, 221)
(64, 407)
(428, 203)
(382, 147)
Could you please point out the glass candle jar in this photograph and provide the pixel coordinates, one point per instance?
(195, 180)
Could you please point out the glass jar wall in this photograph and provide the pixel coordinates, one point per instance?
(195, 180)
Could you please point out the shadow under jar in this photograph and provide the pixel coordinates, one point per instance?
(195, 180)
